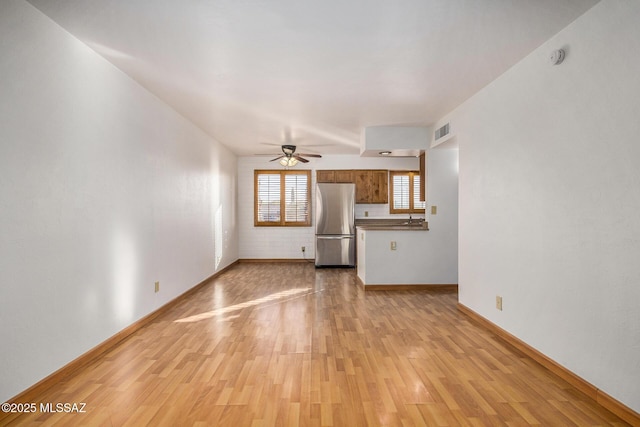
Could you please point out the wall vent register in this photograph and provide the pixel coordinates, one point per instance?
(441, 132)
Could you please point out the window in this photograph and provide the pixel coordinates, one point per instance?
(405, 192)
(282, 198)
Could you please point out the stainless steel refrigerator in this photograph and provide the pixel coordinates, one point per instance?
(335, 225)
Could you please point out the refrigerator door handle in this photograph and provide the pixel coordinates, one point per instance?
(350, 236)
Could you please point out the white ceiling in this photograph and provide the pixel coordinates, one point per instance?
(256, 72)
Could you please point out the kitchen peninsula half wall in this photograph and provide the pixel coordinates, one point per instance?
(394, 254)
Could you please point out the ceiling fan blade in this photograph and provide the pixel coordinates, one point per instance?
(277, 158)
(310, 155)
(297, 157)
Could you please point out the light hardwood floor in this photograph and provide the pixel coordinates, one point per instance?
(288, 345)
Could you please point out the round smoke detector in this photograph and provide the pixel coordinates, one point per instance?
(556, 57)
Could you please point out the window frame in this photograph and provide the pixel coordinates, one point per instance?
(412, 197)
(282, 222)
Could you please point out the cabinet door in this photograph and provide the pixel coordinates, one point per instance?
(379, 186)
(344, 176)
(325, 176)
(363, 186)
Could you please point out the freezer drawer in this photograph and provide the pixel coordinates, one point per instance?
(335, 251)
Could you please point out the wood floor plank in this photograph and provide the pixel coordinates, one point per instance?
(278, 344)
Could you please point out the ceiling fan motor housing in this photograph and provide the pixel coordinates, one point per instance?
(288, 150)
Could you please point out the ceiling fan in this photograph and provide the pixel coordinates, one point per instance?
(289, 156)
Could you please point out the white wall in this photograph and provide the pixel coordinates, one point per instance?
(442, 192)
(550, 195)
(103, 191)
(285, 242)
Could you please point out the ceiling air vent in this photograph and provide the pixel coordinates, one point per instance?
(443, 131)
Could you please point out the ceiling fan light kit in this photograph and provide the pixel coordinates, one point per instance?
(288, 161)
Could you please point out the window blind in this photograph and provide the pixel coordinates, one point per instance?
(268, 191)
(401, 192)
(417, 204)
(405, 192)
(296, 203)
(282, 198)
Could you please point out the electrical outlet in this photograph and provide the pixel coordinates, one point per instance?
(303, 249)
(499, 302)
(157, 287)
(394, 246)
(434, 210)
(366, 213)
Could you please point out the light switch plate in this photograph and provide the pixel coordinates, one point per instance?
(434, 210)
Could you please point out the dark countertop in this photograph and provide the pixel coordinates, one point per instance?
(392, 224)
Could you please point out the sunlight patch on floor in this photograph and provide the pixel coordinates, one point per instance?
(252, 303)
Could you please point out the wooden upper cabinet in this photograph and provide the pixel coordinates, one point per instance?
(325, 176)
(344, 175)
(379, 186)
(338, 175)
(363, 186)
(372, 186)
